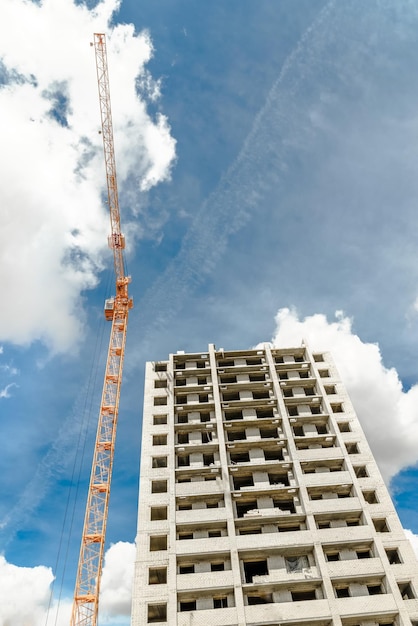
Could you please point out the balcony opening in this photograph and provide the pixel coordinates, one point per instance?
(220, 603)
(208, 459)
(273, 455)
(261, 395)
(183, 438)
(268, 433)
(240, 457)
(284, 505)
(255, 568)
(243, 481)
(280, 480)
(186, 569)
(243, 509)
(262, 413)
(236, 435)
(217, 567)
(204, 417)
(308, 594)
(375, 590)
(231, 396)
(188, 606)
(363, 554)
(342, 592)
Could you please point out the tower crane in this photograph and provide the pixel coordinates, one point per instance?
(90, 564)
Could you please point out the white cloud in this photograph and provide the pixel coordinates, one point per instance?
(5, 392)
(26, 591)
(388, 414)
(54, 227)
(116, 585)
(413, 539)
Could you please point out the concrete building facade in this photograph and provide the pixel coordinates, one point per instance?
(260, 500)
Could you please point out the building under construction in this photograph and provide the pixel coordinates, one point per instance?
(260, 500)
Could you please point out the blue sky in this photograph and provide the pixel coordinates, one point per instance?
(267, 160)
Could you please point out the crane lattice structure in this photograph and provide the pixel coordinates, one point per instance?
(87, 587)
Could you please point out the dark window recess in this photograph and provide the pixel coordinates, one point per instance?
(330, 389)
(204, 417)
(242, 509)
(370, 497)
(180, 366)
(217, 567)
(309, 594)
(309, 391)
(188, 606)
(160, 367)
(360, 471)
(181, 399)
(318, 358)
(157, 613)
(261, 395)
(182, 418)
(265, 598)
(233, 415)
(159, 440)
(180, 382)
(342, 592)
(324, 373)
(159, 420)
(183, 461)
(254, 361)
(261, 413)
(284, 505)
(278, 359)
(206, 437)
(299, 358)
(208, 459)
(375, 590)
(293, 411)
(203, 397)
(186, 569)
(257, 378)
(298, 431)
(406, 591)
(273, 455)
(159, 486)
(332, 556)
(226, 363)
(381, 525)
(157, 542)
(278, 479)
(337, 408)
(202, 380)
(352, 448)
(344, 427)
(393, 556)
(158, 513)
(250, 531)
(214, 533)
(236, 435)
(213, 505)
(243, 481)
(283, 376)
(160, 401)
(185, 535)
(159, 461)
(220, 603)
(157, 575)
(230, 396)
(316, 410)
(228, 380)
(183, 438)
(321, 429)
(304, 374)
(240, 457)
(160, 384)
(288, 393)
(268, 433)
(201, 365)
(363, 554)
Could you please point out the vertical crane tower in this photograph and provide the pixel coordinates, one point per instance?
(90, 564)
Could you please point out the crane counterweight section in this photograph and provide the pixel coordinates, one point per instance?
(90, 564)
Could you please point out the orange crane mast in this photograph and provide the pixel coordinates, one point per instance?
(90, 564)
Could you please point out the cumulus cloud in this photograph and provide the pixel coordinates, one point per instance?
(116, 585)
(388, 413)
(26, 591)
(54, 224)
